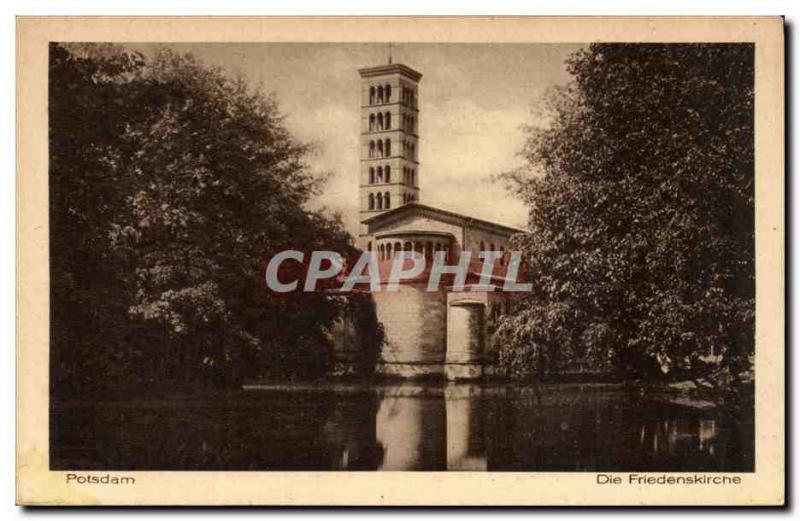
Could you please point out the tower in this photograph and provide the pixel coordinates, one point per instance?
(389, 174)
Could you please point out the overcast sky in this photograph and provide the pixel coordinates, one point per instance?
(473, 99)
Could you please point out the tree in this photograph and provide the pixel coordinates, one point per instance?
(641, 224)
(89, 102)
(171, 186)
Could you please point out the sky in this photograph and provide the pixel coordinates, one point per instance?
(474, 100)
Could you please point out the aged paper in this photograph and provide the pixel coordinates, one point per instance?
(604, 198)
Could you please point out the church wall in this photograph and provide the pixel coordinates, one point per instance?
(422, 223)
(471, 322)
(474, 236)
(414, 323)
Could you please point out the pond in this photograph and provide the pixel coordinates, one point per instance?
(459, 427)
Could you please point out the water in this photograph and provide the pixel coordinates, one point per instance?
(553, 427)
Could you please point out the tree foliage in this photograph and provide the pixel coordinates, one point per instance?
(641, 224)
(171, 185)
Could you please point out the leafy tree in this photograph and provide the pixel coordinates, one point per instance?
(88, 104)
(171, 186)
(641, 241)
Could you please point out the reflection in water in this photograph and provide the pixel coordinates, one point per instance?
(420, 431)
(466, 447)
(410, 430)
(555, 427)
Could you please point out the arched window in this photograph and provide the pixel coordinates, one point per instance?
(371, 175)
(491, 247)
(380, 121)
(380, 148)
(411, 179)
(387, 119)
(371, 202)
(372, 122)
(397, 247)
(372, 95)
(387, 147)
(379, 202)
(380, 94)
(369, 246)
(382, 250)
(387, 91)
(418, 247)
(387, 172)
(483, 244)
(503, 258)
(386, 201)
(389, 251)
(429, 250)
(407, 246)
(371, 149)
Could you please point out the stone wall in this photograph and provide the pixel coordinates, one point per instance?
(414, 323)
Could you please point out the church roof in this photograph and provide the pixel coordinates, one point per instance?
(380, 70)
(446, 214)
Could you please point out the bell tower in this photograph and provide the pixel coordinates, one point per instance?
(389, 175)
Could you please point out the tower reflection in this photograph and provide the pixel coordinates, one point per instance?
(466, 443)
(431, 428)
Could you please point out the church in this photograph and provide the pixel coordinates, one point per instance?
(445, 333)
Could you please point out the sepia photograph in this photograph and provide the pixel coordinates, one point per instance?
(480, 258)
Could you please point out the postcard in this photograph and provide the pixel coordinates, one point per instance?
(400, 261)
